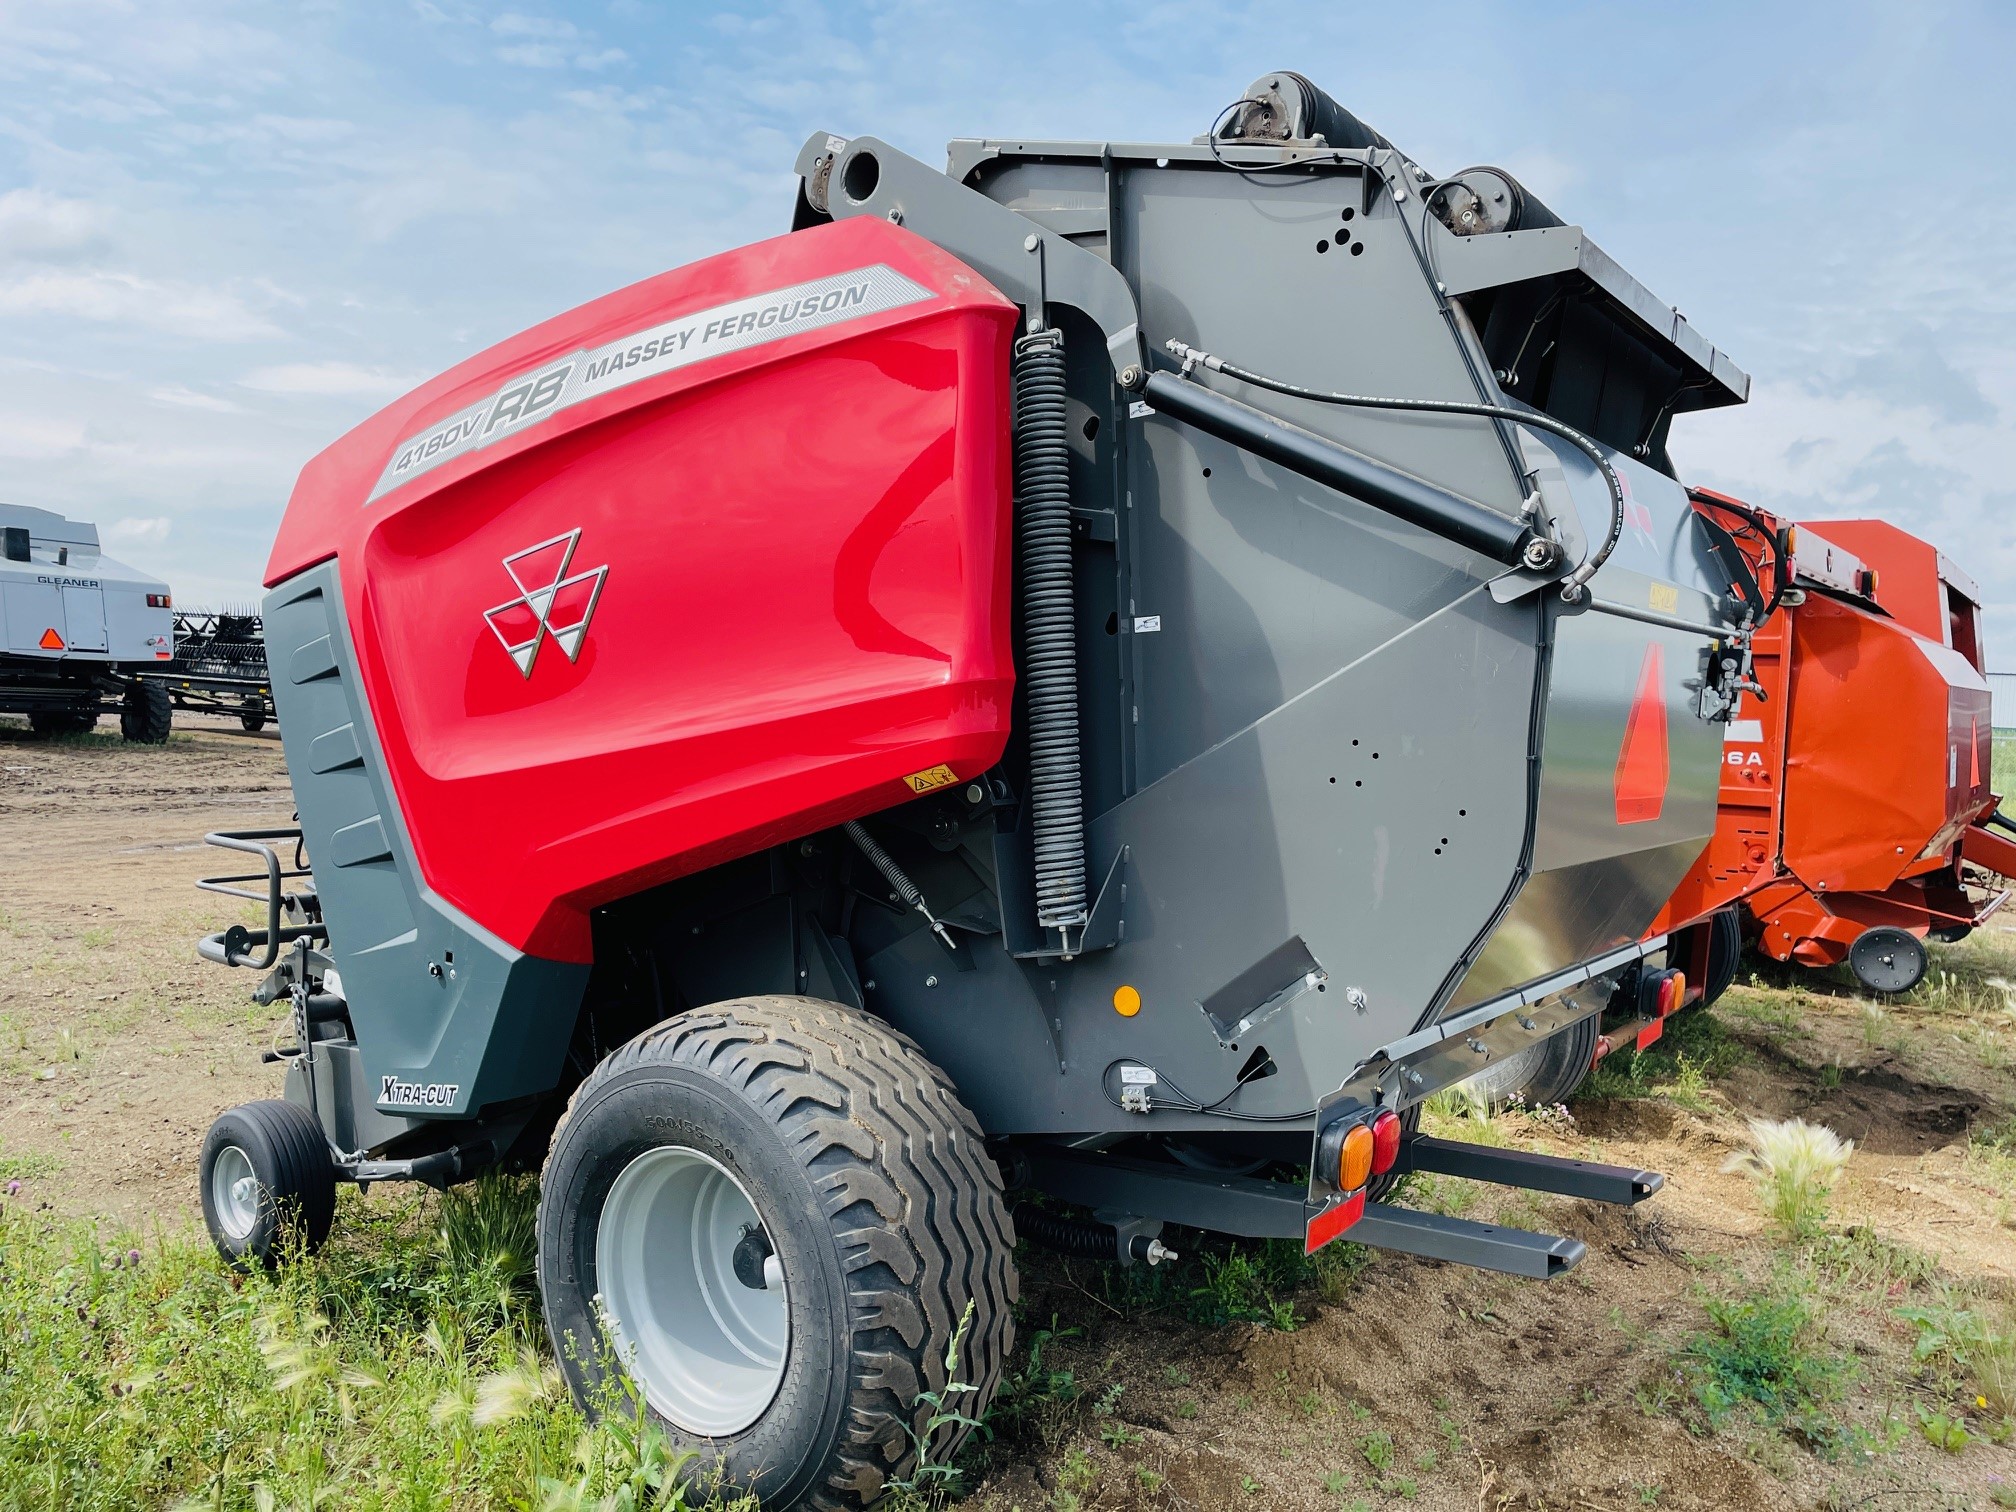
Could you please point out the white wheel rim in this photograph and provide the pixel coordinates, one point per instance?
(234, 1192)
(706, 1349)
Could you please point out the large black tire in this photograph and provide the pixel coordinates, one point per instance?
(147, 715)
(875, 1194)
(51, 723)
(279, 1148)
(1725, 953)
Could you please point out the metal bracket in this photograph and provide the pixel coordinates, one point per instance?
(1025, 261)
(1620, 1185)
(1255, 1209)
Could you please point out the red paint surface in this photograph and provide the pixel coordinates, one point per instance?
(807, 596)
(1643, 765)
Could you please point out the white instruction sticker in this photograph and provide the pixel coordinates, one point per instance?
(1136, 1076)
(1147, 624)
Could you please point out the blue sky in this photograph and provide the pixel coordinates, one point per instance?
(230, 230)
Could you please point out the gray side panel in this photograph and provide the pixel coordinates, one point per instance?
(1370, 826)
(437, 1000)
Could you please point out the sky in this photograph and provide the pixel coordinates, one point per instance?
(229, 231)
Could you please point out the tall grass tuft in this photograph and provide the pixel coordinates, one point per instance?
(1794, 1165)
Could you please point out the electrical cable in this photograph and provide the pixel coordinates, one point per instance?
(1211, 139)
(1217, 1109)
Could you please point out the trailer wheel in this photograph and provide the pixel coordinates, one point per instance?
(51, 723)
(1548, 1072)
(147, 714)
(1725, 954)
(1887, 959)
(773, 1214)
(267, 1182)
(252, 716)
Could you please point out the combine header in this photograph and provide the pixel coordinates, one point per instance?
(1115, 669)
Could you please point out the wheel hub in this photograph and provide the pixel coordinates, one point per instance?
(692, 1293)
(234, 1191)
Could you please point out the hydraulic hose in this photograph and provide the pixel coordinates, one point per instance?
(1572, 589)
(1049, 631)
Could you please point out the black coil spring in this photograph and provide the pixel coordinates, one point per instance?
(1067, 1236)
(1049, 630)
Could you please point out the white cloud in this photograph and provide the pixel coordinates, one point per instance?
(187, 398)
(330, 379)
(37, 224)
(135, 531)
(39, 438)
(550, 43)
(516, 24)
(180, 309)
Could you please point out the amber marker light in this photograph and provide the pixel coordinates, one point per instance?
(1354, 1164)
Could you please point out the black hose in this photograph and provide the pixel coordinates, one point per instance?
(1068, 1236)
(1049, 631)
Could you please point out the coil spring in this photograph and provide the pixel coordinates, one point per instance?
(1067, 1236)
(1049, 630)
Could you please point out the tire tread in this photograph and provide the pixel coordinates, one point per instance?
(910, 1195)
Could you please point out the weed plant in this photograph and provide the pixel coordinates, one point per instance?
(1794, 1166)
(1763, 1357)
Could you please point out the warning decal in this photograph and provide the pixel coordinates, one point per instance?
(931, 779)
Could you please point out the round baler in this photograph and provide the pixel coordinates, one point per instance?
(1114, 671)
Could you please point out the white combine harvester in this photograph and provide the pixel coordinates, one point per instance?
(77, 629)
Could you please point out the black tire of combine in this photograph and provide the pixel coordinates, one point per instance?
(51, 724)
(873, 1182)
(288, 1157)
(147, 715)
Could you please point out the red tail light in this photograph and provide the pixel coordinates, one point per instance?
(1672, 992)
(1385, 1142)
(159, 601)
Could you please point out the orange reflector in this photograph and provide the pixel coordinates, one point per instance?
(51, 641)
(1354, 1163)
(1126, 1001)
(1385, 1142)
(1332, 1221)
(1651, 1032)
(1642, 764)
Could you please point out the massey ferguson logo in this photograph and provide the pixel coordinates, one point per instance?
(549, 603)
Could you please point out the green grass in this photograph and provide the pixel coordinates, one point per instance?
(2005, 760)
(1696, 1050)
(402, 1368)
(1216, 1282)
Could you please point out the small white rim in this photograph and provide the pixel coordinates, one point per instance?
(706, 1348)
(234, 1192)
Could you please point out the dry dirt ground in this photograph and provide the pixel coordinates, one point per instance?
(1404, 1383)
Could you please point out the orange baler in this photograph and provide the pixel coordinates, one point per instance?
(1858, 786)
